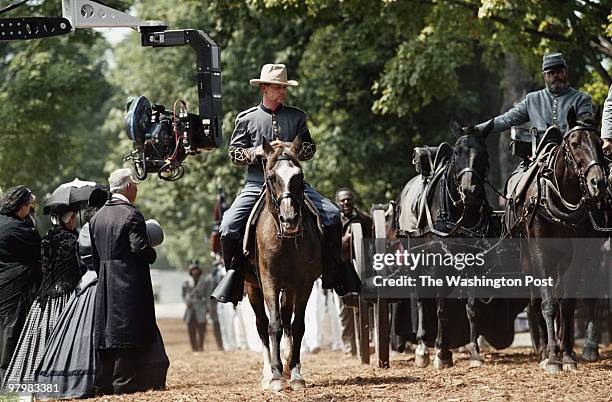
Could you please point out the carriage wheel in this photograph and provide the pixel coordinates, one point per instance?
(381, 309)
(362, 324)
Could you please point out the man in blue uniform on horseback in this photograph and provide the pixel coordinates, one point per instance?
(280, 124)
(548, 106)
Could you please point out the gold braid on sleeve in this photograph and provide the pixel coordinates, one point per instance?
(241, 156)
(307, 151)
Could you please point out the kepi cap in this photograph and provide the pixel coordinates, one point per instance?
(551, 60)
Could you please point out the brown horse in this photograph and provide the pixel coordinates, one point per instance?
(560, 202)
(287, 261)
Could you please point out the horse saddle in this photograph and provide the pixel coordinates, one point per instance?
(520, 180)
(529, 143)
(427, 159)
(418, 191)
(248, 241)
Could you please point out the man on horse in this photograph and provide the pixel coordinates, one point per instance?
(280, 124)
(548, 106)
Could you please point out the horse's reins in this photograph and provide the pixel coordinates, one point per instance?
(581, 174)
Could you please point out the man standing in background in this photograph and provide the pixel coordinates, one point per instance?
(194, 294)
(345, 198)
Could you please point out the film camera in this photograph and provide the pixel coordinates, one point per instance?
(162, 139)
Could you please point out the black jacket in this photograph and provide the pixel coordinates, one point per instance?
(121, 252)
(19, 261)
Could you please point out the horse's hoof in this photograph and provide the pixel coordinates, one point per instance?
(440, 364)
(421, 361)
(590, 354)
(265, 384)
(277, 385)
(476, 363)
(552, 368)
(543, 364)
(570, 367)
(298, 384)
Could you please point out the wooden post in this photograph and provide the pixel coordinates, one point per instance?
(382, 326)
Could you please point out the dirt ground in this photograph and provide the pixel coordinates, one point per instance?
(234, 376)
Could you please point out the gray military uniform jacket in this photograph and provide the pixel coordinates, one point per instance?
(543, 109)
(285, 123)
(606, 118)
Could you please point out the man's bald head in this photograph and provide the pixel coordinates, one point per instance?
(345, 198)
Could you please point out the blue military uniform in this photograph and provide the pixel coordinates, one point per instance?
(542, 109)
(284, 124)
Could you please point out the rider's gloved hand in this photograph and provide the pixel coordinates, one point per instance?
(607, 146)
(278, 143)
(259, 151)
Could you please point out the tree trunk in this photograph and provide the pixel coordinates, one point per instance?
(515, 85)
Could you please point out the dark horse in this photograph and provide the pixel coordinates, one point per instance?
(558, 206)
(288, 261)
(459, 208)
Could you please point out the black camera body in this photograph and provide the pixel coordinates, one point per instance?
(162, 138)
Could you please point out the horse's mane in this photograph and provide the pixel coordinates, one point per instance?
(285, 152)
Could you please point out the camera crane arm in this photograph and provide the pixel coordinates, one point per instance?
(89, 14)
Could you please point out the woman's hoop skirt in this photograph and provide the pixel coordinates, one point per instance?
(69, 360)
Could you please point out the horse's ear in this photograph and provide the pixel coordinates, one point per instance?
(297, 145)
(456, 129)
(268, 149)
(487, 129)
(571, 117)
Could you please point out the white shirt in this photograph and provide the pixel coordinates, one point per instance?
(121, 197)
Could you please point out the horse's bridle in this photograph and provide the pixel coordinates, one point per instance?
(581, 174)
(457, 177)
(276, 201)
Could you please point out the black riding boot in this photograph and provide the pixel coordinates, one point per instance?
(335, 273)
(231, 287)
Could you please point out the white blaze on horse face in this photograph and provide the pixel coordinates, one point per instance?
(467, 180)
(595, 175)
(284, 173)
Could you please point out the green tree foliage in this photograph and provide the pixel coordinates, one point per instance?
(52, 104)
(376, 79)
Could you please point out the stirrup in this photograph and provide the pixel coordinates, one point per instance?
(230, 289)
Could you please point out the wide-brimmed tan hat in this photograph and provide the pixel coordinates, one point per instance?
(273, 74)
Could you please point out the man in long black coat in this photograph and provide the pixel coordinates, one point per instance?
(125, 326)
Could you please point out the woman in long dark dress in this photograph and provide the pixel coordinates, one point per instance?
(19, 268)
(69, 360)
(61, 274)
